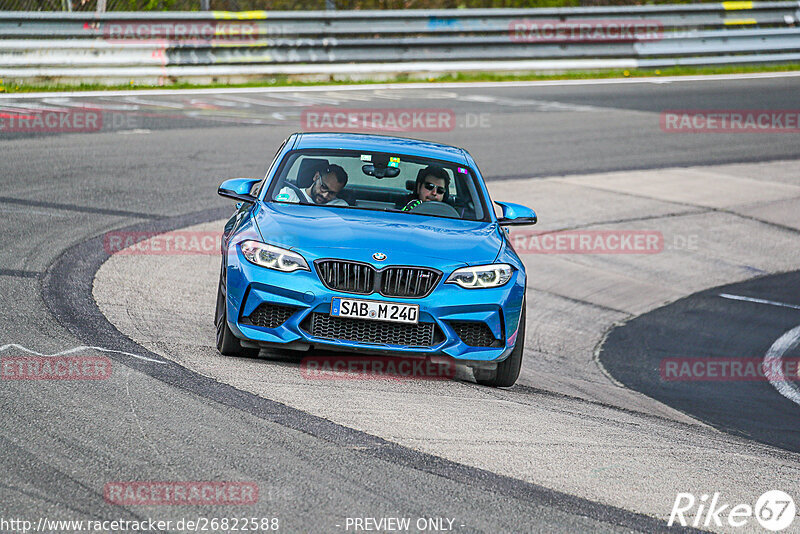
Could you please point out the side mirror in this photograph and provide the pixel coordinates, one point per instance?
(515, 214)
(238, 189)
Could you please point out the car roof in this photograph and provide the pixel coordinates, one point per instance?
(380, 143)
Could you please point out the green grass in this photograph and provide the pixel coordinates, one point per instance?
(284, 81)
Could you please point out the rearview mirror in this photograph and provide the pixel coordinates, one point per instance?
(379, 171)
(238, 189)
(515, 214)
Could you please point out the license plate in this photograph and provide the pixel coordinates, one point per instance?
(375, 309)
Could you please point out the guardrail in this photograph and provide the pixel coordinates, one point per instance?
(160, 47)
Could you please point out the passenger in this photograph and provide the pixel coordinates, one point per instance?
(324, 188)
(433, 183)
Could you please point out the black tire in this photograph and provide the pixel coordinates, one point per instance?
(227, 343)
(507, 370)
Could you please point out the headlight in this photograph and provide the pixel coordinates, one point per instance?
(273, 257)
(481, 276)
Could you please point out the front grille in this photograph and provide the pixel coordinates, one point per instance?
(474, 333)
(324, 326)
(408, 281)
(394, 281)
(347, 276)
(270, 315)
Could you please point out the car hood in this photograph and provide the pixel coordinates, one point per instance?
(356, 234)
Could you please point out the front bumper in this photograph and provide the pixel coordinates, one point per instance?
(249, 286)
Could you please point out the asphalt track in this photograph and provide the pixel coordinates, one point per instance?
(566, 450)
(711, 324)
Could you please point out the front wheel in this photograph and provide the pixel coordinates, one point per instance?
(507, 370)
(227, 343)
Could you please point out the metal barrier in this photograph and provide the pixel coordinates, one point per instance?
(207, 46)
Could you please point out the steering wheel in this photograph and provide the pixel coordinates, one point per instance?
(434, 207)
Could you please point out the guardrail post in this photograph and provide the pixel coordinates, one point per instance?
(330, 5)
(66, 5)
(101, 6)
(205, 5)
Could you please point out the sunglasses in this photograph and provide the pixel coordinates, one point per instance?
(430, 187)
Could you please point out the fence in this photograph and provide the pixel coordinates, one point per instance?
(230, 46)
(297, 5)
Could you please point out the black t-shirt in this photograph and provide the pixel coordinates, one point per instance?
(404, 202)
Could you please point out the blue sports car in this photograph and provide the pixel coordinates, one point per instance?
(367, 243)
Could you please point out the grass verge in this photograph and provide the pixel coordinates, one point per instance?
(286, 81)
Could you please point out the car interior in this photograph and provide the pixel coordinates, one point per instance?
(365, 189)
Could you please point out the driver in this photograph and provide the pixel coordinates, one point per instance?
(433, 183)
(327, 184)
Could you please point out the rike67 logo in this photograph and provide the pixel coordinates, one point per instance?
(774, 510)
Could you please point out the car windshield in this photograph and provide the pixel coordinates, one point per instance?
(380, 182)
